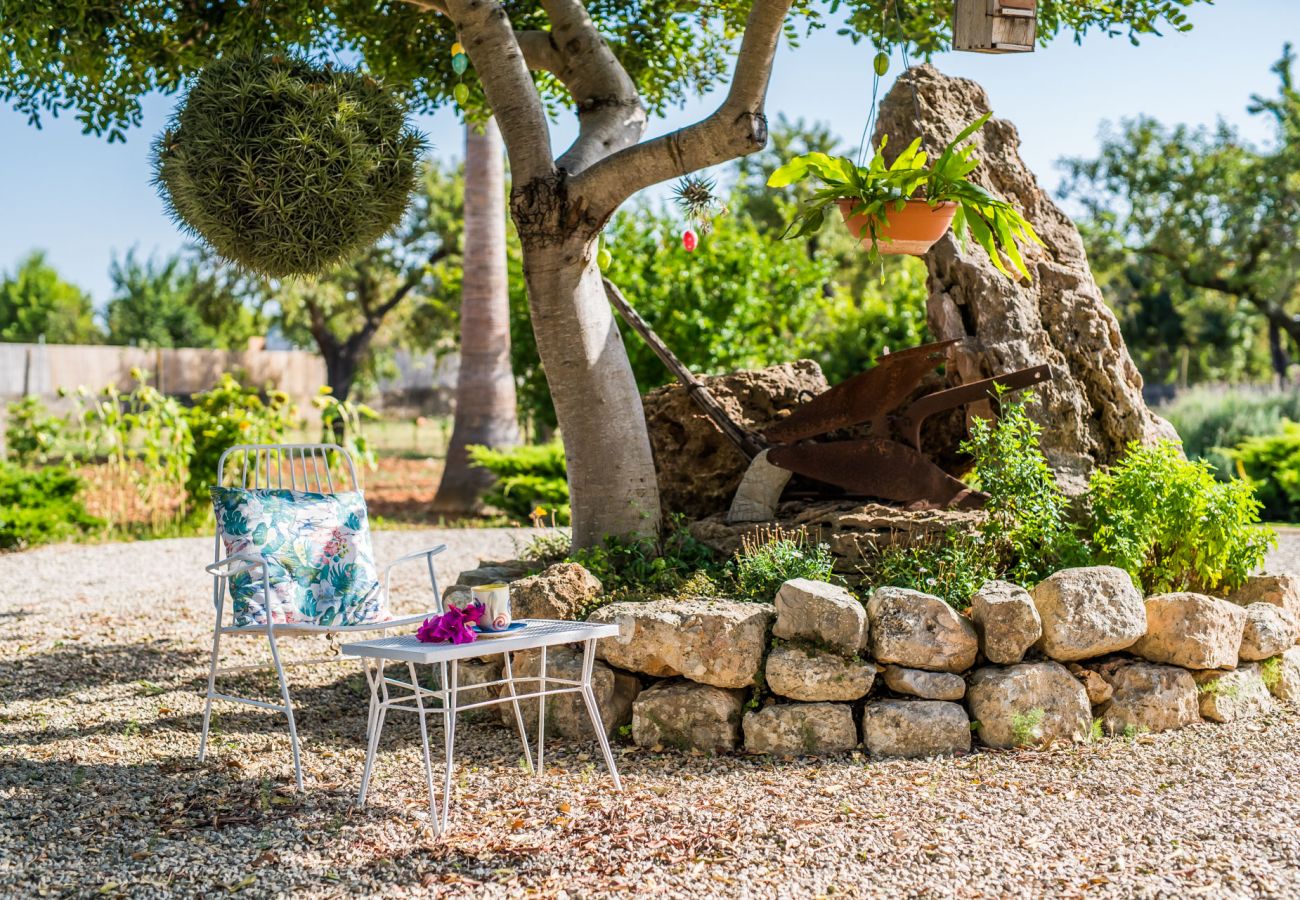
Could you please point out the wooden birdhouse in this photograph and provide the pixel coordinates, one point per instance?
(994, 26)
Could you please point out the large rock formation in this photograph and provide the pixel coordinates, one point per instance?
(1093, 406)
(698, 468)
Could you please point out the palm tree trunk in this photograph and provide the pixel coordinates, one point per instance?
(485, 385)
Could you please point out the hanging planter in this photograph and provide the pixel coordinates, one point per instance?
(906, 206)
(911, 230)
(286, 168)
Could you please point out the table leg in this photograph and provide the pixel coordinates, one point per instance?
(593, 711)
(424, 740)
(374, 728)
(449, 729)
(519, 715)
(541, 712)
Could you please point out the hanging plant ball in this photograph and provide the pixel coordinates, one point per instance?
(286, 168)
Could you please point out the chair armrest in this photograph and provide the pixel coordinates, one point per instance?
(235, 565)
(427, 556)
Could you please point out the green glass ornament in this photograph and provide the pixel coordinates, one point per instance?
(604, 258)
(461, 93)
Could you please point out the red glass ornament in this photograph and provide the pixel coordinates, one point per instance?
(689, 240)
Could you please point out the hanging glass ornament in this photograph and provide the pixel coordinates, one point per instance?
(461, 93)
(604, 257)
(459, 63)
(689, 240)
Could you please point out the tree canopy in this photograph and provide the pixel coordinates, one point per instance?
(36, 303)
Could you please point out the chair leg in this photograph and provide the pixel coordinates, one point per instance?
(288, 708)
(593, 711)
(212, 688)
(519, 715)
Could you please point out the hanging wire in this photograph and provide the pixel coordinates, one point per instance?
(875, 84)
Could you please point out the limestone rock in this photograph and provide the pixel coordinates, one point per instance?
(1007, 621)
(1227, 696)
(717, 642)
(1280, 589)
(1028, 704)
(1097, 688)
(1281, 675)
(1150, 698)
(562, 591)
(926, 685)
(1191, 630)
(566, 714)
(909, 729)
(1089, 612)
(698, 469)
(687, 716)
(1269, 630)
(919, 631)
(804, 673)
(494, 572)
(795, 729)
(821, 613)
(1092, 408)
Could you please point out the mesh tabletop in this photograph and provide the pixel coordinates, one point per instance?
(539, 633)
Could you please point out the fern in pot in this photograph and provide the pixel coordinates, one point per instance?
(905, 207)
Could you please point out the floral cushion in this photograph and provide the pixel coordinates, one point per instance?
(317, 547)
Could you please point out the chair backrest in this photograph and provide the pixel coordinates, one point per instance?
(295, 467)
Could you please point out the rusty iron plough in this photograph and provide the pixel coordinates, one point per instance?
(862, 436)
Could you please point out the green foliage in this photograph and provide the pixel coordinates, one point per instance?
(31, 433)
(531, 481)
(647, 567)
(1211, 421)
(1271, 463)
(878, 187)
(547, 548)
(36, 302)
(341, 423)
(224, 416)
(1026, 727)
(1194, 228)
(770, 557)
(1172, 525)
(176, 301)
(1027, 524)
(952, 568)
(40, 506)
(1270, 671)
(286, 168)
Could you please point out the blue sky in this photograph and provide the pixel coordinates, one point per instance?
(80, 198)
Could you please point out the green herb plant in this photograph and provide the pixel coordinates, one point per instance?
(32, 434)
(878, 188)
(771, 556)
(952, 568)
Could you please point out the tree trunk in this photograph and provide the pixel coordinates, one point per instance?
(485, 384)
(612, 483)
(1277, 351)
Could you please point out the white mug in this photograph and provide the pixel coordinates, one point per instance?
(496, 606)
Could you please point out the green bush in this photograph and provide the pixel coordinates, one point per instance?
(771, 557)
(31, 433)
(531, 481)
(37, 507)
(1272, 465)
(1027, 526)
(952, 568)
(1212, 420)
(227, 415)
(649, 566)
(1172, 525)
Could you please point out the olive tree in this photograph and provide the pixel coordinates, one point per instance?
(612, 63)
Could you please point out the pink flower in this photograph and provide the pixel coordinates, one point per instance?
(455, 625)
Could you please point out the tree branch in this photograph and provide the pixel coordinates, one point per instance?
(610, 113)
(492, 46)
(540, 52)
(429, 5)
(412, 279)
(735, 128)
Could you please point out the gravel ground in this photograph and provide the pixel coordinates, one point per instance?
(101, 675)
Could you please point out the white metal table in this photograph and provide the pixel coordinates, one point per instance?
(388, 693)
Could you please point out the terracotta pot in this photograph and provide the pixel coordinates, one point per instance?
(911, 231)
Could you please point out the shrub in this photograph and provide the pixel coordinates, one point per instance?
(1172, 525)
(1211, 420)
(1027, 524)
(40, 506)
(31, 433)
(1272, 465)
(530, 479)
(284, 167)
(227, 415)
(770, 557)
(648, 566)
(952, 569)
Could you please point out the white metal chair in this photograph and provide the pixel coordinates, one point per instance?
(299, 467)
